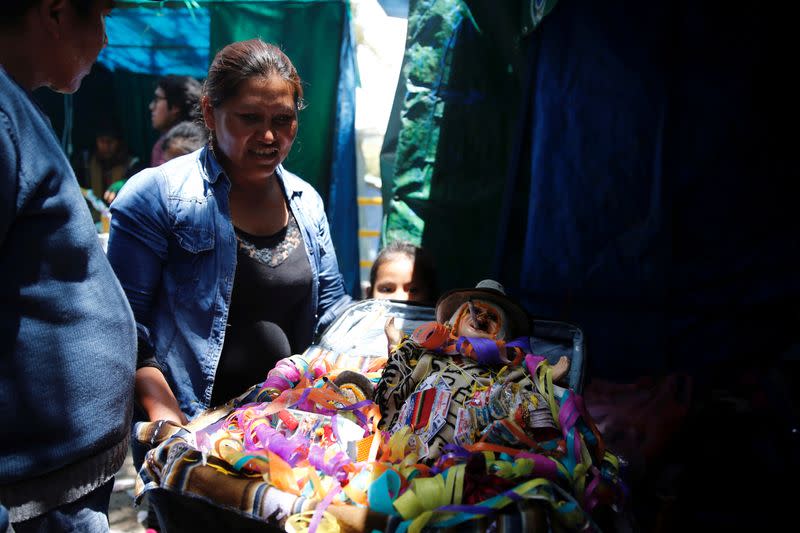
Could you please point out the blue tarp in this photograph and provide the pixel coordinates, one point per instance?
(158, 41)
(656, 165)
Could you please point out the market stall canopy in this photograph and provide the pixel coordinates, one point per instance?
(150, 39)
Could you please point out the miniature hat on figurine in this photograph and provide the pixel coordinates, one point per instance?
(490, 291)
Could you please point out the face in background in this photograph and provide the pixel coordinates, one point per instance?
(106, 147)
(254, 129)
(174, 149)
(162, 116)
(395, 280)
(80, 40)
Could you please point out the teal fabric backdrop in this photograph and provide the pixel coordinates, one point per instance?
(150, 39)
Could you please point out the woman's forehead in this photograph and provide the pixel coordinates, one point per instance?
(272, 84)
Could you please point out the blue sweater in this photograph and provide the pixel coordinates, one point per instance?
(67, 333)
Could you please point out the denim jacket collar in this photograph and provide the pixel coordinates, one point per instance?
(213, 170)
(211, 167)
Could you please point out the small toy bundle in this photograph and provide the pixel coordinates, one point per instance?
(469, 377)
(316, 370)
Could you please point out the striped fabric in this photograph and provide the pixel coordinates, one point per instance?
(195, 483)
(191, 478)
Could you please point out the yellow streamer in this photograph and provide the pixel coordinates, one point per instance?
(523, 490)
(611, 458)
(544, 382)
(298, 523)
(424, 494)
(454, 484)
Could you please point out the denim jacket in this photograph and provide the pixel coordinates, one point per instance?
(173, 247)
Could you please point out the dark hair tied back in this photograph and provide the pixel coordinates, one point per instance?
(243, 60)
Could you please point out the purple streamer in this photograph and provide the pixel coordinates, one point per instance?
(321, 506)
(469, 509)
(333, 467)
(303, 397)
(486, 350)
(521, 342)
(543, 466)
(532, 361)
(334, 428)
(590, 498)
(270, 439)
(568, 414)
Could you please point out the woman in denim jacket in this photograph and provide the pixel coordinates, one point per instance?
(225, 256)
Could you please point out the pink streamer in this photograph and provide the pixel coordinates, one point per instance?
(543, 466)
(532, 361)
(333, 467)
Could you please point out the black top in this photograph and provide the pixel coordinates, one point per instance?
(271, 286)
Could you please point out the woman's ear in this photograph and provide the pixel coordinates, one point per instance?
(208, 113)
(52, 15)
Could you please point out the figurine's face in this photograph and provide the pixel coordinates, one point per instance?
(479, 318)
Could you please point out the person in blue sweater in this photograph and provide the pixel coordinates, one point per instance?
(67, 333)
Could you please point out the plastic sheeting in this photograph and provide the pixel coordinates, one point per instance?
(624, 167)
(446, 152)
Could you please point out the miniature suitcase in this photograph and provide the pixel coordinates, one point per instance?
(353, 341)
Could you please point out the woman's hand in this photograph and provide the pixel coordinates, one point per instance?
(112, 191)
(156, 398)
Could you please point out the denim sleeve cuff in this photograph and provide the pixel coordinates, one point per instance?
(148, 361)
